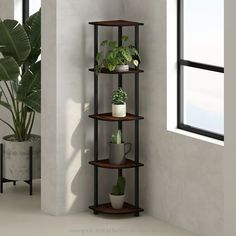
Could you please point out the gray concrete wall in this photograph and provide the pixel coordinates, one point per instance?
(182, 181)
(230, 117)
(67, 133)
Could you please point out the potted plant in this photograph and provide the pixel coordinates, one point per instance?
(119, 99)
(117, 196)
(117, 58)
(20, 94)
(118, 151)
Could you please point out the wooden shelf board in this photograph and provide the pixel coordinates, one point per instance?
(107, 209)
(104, 163)
(109, 117)
(130, 71)
(116, 23)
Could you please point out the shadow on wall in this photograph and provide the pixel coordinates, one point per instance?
(80, 149)
(81, 141)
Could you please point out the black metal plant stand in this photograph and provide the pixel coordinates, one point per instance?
(104, 163)
(30, 181)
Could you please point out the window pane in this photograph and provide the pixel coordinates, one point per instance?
(204, 99)
(34, 6)
(204, 31)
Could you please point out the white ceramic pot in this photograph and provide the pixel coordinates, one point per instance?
(16, 158)
(117, 201)
(121, 68)
(119, 110)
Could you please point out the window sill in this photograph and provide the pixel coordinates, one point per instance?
(196, 136)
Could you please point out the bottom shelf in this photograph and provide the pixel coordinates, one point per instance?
(107, 209)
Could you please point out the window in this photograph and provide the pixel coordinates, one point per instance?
(201, 67)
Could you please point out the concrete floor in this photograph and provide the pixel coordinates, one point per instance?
(20, 215)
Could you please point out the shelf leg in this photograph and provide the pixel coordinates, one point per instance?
(95, 212)
(31, 171)
(137, 214)
(136, 124)
(120, 78)
(1, 160)
(120, 33)
(95, 122)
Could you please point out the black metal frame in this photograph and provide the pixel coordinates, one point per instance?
(30, 181)
(25, 10)
(180, 78)
(136, 96)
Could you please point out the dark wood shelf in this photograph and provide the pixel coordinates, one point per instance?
(106, 164)
(130, 71)
(107, 209)
(109, 117)
(116, 23)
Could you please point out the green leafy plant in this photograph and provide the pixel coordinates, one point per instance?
(113, 55)
(117, 138)
(119, 188)
(20, 73)
(119, 97)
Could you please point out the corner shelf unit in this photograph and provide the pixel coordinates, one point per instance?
(104, 163)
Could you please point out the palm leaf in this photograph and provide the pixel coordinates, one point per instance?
(4, 104)
(9, 69)
(33, 29)
(33, 101)
(14, 40)
(29, 90)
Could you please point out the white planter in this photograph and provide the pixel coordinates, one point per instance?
(119, 110)
(16, 158)
(117, 201)
(121, 68)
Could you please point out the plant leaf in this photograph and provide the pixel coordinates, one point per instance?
(14, 41)
(125, 38)
(9, 69)
(104, 43)
(29, 91)
(32, 27)
(33, 101)
(4, 104)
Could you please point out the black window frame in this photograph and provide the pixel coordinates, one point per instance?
(181, 63)
(25, 10)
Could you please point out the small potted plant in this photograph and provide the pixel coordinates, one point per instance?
(119, 99)
(20, 94)
(118, 151)
(117, 196)
(117, 58)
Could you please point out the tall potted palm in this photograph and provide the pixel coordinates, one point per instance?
(20, 94)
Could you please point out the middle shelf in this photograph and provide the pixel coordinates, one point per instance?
(109, 117)
(130, 71)
(106, 164)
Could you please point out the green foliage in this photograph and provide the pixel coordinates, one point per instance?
(9, 69)
(119, 188)
(14, 41)
(119, 97)
(117, 138)
(20, 73)
(32, 27)
(113, 55)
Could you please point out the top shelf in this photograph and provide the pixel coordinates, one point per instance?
(116, 23)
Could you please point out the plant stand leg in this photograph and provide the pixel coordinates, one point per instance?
(31, 171)
(14, 183)
(1, 162)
